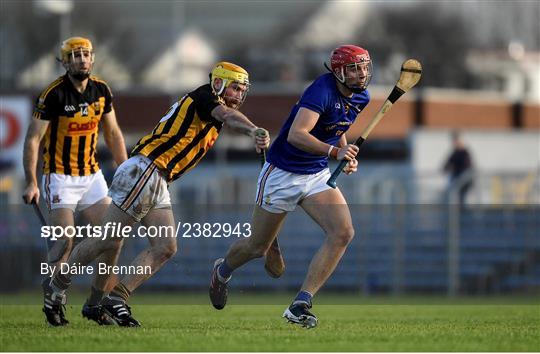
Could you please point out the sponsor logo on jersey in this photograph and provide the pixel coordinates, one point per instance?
(331, 127)
(81, 128)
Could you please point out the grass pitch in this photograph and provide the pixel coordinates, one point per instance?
(452, 326)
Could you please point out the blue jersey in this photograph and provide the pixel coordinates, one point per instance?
(336, 114)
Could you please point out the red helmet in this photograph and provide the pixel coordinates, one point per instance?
(355, 58)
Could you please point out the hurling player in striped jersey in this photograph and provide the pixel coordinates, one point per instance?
(140, 192)
(66, 120)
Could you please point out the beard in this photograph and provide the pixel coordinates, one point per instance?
(232, 102)
(359, 86)
(80, 75)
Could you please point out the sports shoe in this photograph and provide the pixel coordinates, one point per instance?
(97, 314)
(119, 311)
(53, 305)
(218, 288)
(299, 313)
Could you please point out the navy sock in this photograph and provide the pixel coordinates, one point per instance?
(303, 296)
(225, 270)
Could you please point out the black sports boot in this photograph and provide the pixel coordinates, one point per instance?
(218, 288)
(53, 305)
(119, 311)
(97, 314)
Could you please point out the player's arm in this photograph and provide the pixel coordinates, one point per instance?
(114, 138)
(34, 134)
(301, 138)
(240, 123)
(342, 141)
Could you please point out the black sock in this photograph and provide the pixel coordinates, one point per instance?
(60, 283)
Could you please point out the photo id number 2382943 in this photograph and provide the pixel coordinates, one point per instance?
(208, 230)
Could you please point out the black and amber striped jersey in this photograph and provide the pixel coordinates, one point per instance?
(69, 144)
(184, 135)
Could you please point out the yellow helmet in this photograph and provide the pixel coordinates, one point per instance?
(75, 43)
(228, 73)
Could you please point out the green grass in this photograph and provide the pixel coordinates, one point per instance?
(438, 326)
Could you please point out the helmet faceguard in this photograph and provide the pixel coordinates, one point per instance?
(351, 65)
(74, 53)
(223, 75)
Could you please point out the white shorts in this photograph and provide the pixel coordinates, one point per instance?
(73, 192)
(281, 191)
(138, 186)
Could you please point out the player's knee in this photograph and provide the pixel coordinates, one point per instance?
(259, 252)
(166, 252)
(68, 242)
(169, 251)
(113, 242)
(172, 249)
(109, 245)
(342, 237)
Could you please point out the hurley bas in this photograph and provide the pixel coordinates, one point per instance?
(102, 268)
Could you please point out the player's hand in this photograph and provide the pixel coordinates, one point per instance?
(31, 194)
(347, 152)
(351, 167)
(262, 139)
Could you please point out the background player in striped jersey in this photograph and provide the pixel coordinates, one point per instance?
(66, 118)
(139, 188)
(296, 172)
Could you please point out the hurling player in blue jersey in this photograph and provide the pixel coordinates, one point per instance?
(296, 172)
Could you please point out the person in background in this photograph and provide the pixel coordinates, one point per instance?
(459, 166)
